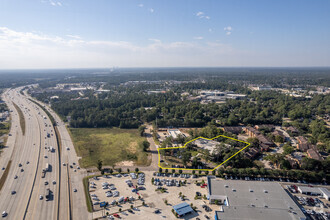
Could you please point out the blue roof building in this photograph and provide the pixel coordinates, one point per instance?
(183, 209)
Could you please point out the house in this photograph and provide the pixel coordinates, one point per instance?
(265, 127)
(303, 144)
(251, 153)
(279, 133)
(182, 209)
(303, 147)
(293, 130)
(251, 132)
(232, 129)
(264, 142)
(301, 139)
(294, 163)
(314, 154)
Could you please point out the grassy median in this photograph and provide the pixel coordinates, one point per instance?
(111, 145)
(21, 118)
(4, 175)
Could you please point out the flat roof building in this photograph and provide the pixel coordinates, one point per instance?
(314, 191)
(252, 200)
(183, 209)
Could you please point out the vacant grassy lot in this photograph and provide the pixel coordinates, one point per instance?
(111, 145)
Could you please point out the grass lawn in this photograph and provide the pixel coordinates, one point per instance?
(111, 145)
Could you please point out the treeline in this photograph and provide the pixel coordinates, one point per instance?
(130, 107)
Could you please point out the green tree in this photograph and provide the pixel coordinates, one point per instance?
(99, 165)
(145, 145)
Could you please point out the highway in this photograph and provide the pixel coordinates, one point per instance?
(70, 171)
(29, 151)
(29, 155)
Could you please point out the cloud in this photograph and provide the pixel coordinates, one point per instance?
(228, 30)
(53, 3)
(74, 36)
(202, 15)
(210, 30)
(140, 5)
(37, 50)
(151, 10)
(198, 38)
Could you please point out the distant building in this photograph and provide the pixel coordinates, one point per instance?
(251, 200)
(303, 144)
(182, 209)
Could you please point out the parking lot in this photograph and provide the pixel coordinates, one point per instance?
(119, 191)
(315, 206)
(178, 189)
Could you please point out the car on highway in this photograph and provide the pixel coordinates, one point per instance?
(46, 182)
(63, 164)
(41, 197)
(67, 148)
(15, 177)
(3, 168)
(19, 165)
(74, 190)
(27, 162)
(45, 156)
(54, 182)
(4, 214)
(22, 170)
(13, 192)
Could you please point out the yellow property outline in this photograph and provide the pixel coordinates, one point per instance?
(169, 148)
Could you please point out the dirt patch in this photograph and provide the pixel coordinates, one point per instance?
(132, 147)
(125, 163)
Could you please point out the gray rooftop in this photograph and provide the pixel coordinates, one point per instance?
(254, 200)
(308, 189)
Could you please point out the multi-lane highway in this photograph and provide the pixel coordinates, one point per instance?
(23, 195)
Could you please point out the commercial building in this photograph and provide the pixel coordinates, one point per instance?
(174, 133)
(315, 191)
(182, 209)
(252, 200)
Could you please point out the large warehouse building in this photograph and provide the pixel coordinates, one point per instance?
(252, 200)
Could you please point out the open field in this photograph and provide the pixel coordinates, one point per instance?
(111, 145)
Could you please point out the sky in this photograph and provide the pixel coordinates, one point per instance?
(164, 33)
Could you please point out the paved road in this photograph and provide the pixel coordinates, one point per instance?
(26, 150)
(71, 176)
